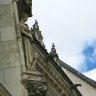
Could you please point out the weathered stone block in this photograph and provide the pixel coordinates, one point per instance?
(12, 81)
(6, 16)
(1, 76)
(12, 74)
(5, 1)
(10, 54)
(7, 34)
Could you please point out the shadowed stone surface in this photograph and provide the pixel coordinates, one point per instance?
(6, 16)
(5, 2)
(10, 55)
(5, 34)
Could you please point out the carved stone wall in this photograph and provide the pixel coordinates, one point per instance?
(26, 68)
(55, 82)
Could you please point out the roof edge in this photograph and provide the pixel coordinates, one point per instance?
(80, 75)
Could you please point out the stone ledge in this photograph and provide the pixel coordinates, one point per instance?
(32, 75)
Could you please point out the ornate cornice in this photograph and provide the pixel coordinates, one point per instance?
(52, 72)
(53, 77)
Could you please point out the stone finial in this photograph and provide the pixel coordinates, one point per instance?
(54, 54)
(37, 33)
(35, 26)
(53, 51)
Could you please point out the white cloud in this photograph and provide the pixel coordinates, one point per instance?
(68, 24)
(74, 61)
(91, 74)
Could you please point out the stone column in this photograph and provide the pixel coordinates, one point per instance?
(11, 53)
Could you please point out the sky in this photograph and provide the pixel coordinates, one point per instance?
(71, 26)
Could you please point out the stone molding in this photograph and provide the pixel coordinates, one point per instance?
(53, 78)
(3, 91)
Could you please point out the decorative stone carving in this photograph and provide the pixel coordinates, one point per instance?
(35, 26)
(53, 50)
(37, 33)
(36, 57)
(24, 6)
(35, 90)
(27, 41)
(54, 54)
(53, 77)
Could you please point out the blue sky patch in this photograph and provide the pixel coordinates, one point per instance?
(89, 58)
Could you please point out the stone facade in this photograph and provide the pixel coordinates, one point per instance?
(26, 68)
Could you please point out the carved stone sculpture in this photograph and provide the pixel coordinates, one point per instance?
(36, 90)
(27, 41)
(53, 50)
(43, 90)
(37, 33)
(35, 26)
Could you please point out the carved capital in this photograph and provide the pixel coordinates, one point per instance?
(36, 90)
